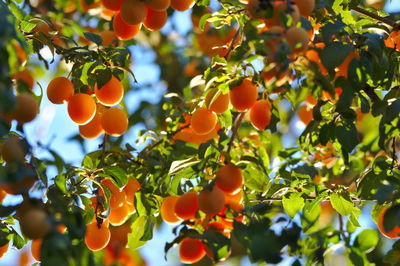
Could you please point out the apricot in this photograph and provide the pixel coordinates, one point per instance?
(220, 104)
(260, 114)
(60, 90)
(26, 77)
(211, 202)
(4, 249)
(34, 223)
(343, 68)
(186, 206)
(111, 93)
(191, 250)
(394, 233)
(298, 39)
(168, 210)
(305, 6)
(12, 150)
(305, 114)
(155, 20)
(114, 5)
(130, 189)
(203, 121)
(158, 5)
(108, 37)
(93, 129)
(118, 197)
(114, 122)
(81, 108)
(97, 238)
(26, 108)
(35, 249)
(229, 179)
(244, 96)
(280, 11)
(182, 5)
(133, 12)
(123, 30)
(118, 215)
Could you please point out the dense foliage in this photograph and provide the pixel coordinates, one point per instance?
(277, 130)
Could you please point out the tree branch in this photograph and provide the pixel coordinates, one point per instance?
(371, 93)
(231, 47)
(234, 133)
(385, 20)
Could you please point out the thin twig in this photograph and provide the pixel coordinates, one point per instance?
(231, 47)
(172, 135)
(385, 20)
(341, 224)
(234, 132)
(394, 157)
(103, 151)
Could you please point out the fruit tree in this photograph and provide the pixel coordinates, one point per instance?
(264, 129)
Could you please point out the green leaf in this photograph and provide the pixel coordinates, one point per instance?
(342, 203)
(293, 202)
(309, 219)
(93, 37)
(347, 137)
(138, 229)
(103, 76)
(367, 240)
(334, 54)
(61, 182)
(119, 176)
(178, 166)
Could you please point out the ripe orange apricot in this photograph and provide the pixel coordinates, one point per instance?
(305, 6)
(3, 194)
(19, 51)
(111, 93)
(281, 10)
(182, 5)
(203, 121)
(158, 5)
(343, 68)
(244, 96)
(60, 90)
(155, 20)
(93, 129)
(118, 215)
(232, 199)
(186, 206)
(108, 37)
(168, 210)
(97, 238)
(219, 105)
(395, 233)
(20, 187)
(130, 189)
(305, 114)
(114, 5)
(191, 250)
(11, 150)
(260, 114)
(131, 208)
(26, 108)
(218, 227)
(35, 249)
(34, 223)
(117, 198)
(211, 202)
(133, 12)
(298, 39)
(114, 121)
(25, 76)
(229, 179)
(124, 31)
(4, 249)
(81, 108)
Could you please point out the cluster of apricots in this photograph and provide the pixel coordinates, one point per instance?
(226, 193)
(121, 204)
(202, 125)
(93, 118)
(129, 15)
